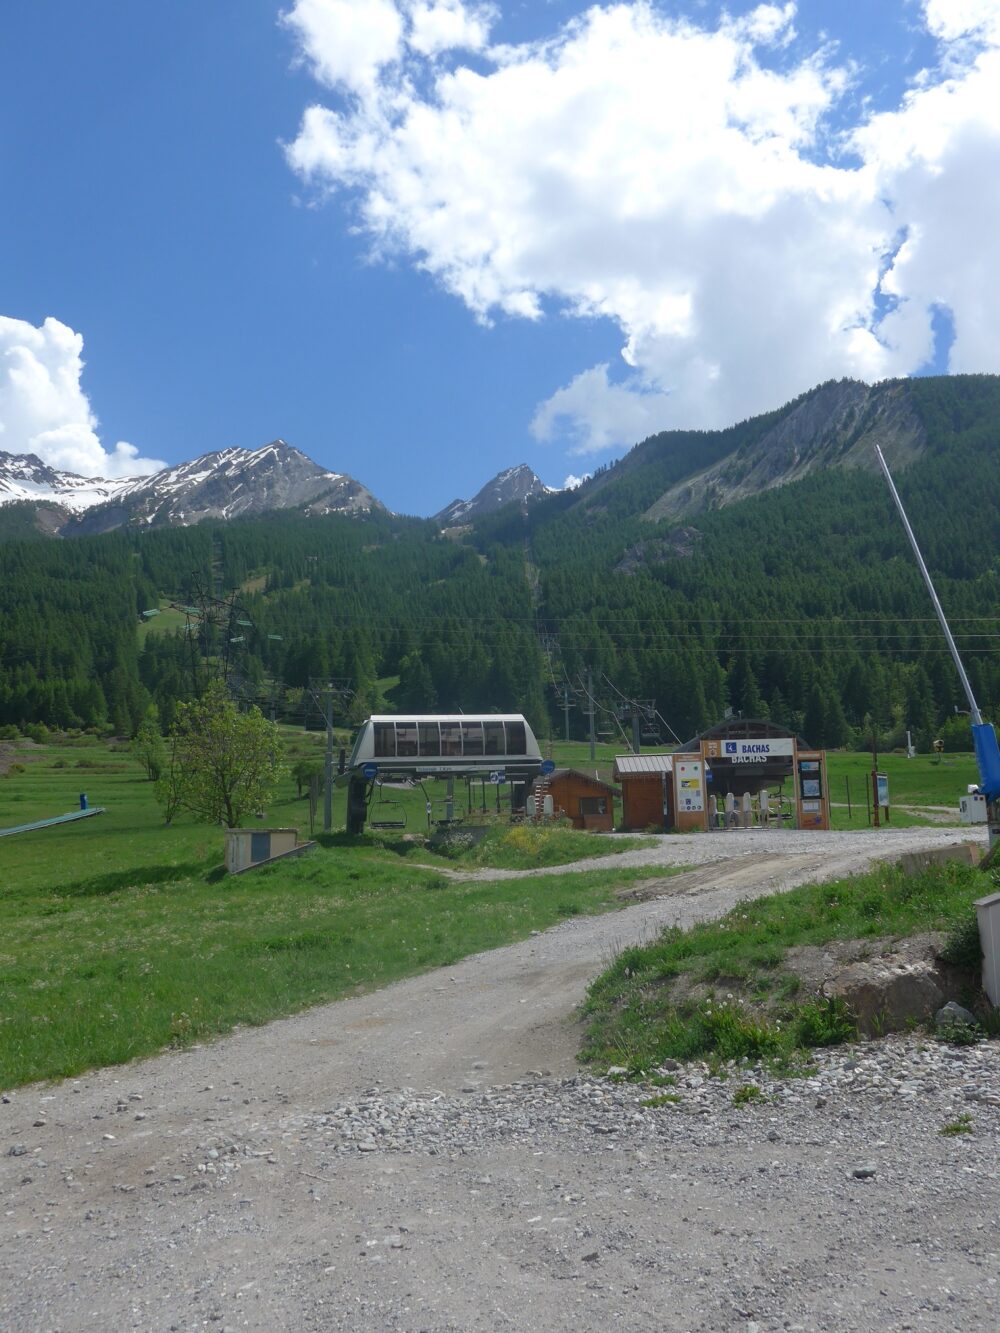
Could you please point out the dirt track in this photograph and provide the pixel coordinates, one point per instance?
(117, 1214)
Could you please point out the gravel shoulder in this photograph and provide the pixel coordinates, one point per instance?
(427, 1157)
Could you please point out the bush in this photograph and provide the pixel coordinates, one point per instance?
(748, 1095)
(824, 1023)
(963, 948)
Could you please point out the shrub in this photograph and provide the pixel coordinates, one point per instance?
(824, 1023)
(961, 1125)
(963, 947)
(958, 1033)
(748, 1095)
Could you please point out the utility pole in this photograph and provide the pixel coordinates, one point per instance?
(328, 760)
(566, 707)
(590, 711)
(323, 694)
(875, 776)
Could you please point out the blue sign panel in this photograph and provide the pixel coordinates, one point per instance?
(548, 767)
(370, 771)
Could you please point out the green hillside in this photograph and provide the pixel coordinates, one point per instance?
(801, 603)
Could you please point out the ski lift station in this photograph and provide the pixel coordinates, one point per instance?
(494, 747)
(741, 773)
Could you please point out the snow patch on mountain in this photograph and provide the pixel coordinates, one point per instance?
(221, 485)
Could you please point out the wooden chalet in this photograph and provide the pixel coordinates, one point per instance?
(586, 801)
(647, 786)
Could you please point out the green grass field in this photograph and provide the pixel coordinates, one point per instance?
(122, 936)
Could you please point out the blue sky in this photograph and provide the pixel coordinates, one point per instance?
(435, 277)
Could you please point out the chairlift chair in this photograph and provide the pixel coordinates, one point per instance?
(394, 817)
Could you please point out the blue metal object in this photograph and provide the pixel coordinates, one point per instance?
(547, 767)
(83, 800)
(369, 771)
(984, 740)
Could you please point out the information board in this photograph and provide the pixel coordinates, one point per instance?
(689, 789)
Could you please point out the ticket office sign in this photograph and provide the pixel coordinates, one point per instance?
(757, 752)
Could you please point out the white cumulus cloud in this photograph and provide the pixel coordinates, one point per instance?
(683, 181)
(44, 410)
(448, 25)
(599, 415)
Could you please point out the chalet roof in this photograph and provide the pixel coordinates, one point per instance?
(583, 777)
(642, 765)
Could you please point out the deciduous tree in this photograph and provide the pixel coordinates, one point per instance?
(223, 764)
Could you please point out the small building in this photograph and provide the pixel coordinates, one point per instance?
(250, 847)
(647, 787)
(586, 801)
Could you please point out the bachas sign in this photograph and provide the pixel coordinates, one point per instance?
(757, 752)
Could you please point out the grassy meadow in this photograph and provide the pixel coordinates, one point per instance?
(122, 936)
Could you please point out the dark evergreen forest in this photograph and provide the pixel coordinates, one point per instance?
(803, 604)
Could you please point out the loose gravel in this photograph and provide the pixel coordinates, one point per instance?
(427, 1158)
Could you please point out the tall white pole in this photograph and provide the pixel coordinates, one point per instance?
(977, 717)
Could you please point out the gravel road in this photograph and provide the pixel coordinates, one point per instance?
(428, 1158)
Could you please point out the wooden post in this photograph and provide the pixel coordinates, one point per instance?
(847, 784)
(877, 822)
(868, 804)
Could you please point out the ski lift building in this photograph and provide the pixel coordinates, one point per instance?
(738, 756)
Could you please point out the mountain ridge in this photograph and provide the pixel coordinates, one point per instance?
(223, 484)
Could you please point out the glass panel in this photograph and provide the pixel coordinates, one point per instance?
(385, 740)
(406, 740)
(451, 739)
(472, 737)
(516, 742)
(494, 738)
(430, 739)
(593, 805)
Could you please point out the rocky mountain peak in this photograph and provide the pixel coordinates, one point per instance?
(514, 485)
(227, 483)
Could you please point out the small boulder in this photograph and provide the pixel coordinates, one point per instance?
(951, 1014)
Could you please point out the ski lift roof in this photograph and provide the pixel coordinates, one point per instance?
(446, 717)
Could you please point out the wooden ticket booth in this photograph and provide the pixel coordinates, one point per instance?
(774, 777)
(647, 787)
